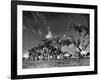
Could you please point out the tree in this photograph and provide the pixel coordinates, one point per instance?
(80, 28)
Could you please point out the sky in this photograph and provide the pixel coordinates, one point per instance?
(37, 25)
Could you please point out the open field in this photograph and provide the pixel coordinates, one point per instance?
(56, 63)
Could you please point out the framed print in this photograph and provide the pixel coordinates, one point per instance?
(53, 39)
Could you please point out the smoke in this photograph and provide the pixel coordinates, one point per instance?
(49, 35)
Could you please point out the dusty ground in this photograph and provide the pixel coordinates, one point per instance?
(55, 63)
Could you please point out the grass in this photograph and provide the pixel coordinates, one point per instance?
(56, 63)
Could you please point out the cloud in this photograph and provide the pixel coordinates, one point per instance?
(33, 30)
(35, 17)
(25, 28)
(39, 32)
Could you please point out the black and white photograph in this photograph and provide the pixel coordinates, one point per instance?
(53, 39)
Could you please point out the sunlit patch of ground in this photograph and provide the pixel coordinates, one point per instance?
(56, 63)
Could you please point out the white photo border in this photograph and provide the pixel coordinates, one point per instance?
(21, 71)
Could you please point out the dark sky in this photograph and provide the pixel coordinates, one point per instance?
(37, 24)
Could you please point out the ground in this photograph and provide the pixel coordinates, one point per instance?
(56, 63)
